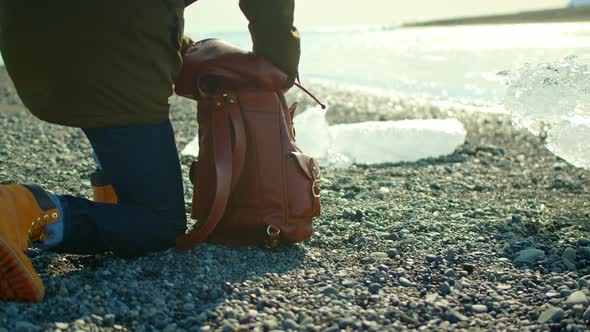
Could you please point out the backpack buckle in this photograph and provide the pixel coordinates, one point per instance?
(228, 98)
(273, 236)
(272, 230)
(315, 188)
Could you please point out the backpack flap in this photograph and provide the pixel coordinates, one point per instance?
(308, 165)
(216, 59)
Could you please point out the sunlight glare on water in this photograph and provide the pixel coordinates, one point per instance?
(453, 62)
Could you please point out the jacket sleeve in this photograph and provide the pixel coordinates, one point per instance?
(273, 35)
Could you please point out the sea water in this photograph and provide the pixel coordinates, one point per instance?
(452, 66)
(454, 63)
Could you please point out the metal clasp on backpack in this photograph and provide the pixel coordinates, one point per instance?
(271, 230)
(273, 234)
(227, 98)
(224, 98)
(315, 188)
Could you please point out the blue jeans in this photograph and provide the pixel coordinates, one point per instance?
(142, 164)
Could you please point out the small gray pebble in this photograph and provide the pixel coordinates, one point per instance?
(12, 309)
(454, 316)
(479, 308)
(333, 328)
(569, 264)
(433, 258)
(330, 291)
(25, 326)
(445, 288)
(345, 322)
(556, 269)
(392, 253)
(379, 255)
(469, 268)
(270, 323)
(551, 315)
(290, 324)
(228, 327)
(405, 282)
(289, 315)
(585, 252)
(449, 273)
(529, 256)
(374, 288)
(170, 328)
(569, 253)
(109, 320)
(577, 298)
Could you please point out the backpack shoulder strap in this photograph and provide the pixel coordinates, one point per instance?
(228, 168)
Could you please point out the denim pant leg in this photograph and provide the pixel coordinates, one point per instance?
(142, 164)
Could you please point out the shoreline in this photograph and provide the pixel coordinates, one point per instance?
(561, 15)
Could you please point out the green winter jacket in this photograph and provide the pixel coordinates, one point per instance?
(106, 63)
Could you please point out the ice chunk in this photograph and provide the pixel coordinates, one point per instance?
(546, 94)
(376, 142)
(569, 140)
(396, 141)
(312, 132)
(192, 148)
(553, 99)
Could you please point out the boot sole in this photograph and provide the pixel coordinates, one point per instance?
(17, 281)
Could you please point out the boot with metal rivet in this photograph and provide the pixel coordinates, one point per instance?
(26, 211)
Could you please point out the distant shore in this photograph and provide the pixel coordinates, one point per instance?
(561, 15)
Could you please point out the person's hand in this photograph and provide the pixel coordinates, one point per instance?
(273, 35)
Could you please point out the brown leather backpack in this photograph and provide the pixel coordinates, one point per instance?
(252, 184)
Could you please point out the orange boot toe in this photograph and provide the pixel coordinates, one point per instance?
(25, 210)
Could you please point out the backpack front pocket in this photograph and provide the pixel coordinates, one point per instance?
(303, 185)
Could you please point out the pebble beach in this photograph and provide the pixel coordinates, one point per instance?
(495, 236)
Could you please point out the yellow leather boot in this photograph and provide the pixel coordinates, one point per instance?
(25, 210)
(102, 190)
